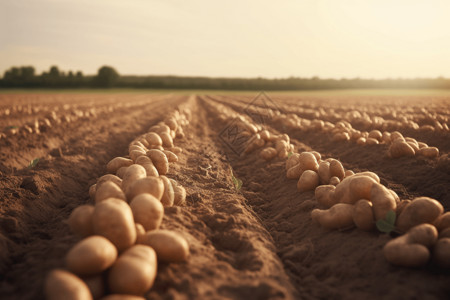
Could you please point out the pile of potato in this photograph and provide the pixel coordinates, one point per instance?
(121, 240)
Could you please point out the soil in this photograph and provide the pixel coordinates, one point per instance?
(256, 242)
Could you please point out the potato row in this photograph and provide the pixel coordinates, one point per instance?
(121, 240)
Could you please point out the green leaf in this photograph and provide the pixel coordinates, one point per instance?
(33, 163)
(237, 182)
(11, 127)
(290, 154)
(390, 217)
(388, 223)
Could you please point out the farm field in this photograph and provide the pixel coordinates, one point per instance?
(248, 226)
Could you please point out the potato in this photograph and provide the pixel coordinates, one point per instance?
(443, 221)
(172, 123)
(382, 200)
(149, 185)
(324, 172)
(430, 152)
(122, 297)
(444, 233)
(422, 145)
(340, 137)
(167, 140)
(170, 246)
(171, 157)
(80, 221)
(396, 135)
(354, 188)
(420, 210)
(325, 195)
(292, 161)
(386, 137)
(308, 181)
(147, 163)
(168, 196)
(348, 173)
(295, 172)
(336, 169)
(376, 134)
(176, 150)
(116, 163)
(414, 146)
(60, 284)
(134, 154)
(136, 147)
(140, 232)
(400, 148)
(339, 216)
(372, 141)
(334, 180)
(411, 249)
(121, 172)
(265, 135)
(160, 160)
(133, 173)
(401, 206)
(153, 139)
(109, 177)
(268, 153)
(179, 193)
(441, 253)
(91, 256)
(147, 211)
(317, 155)
(363, 215)
(361, 141)
(113, 219)
(96, 285)
(134, 271)
(109, 190)
(308, 161)
(92, 190)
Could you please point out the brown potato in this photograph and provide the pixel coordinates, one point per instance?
(430, 152)
(121, 172)
(179, 193)
(91, 256)
(147, 211)
(92, 190)
(153, 139)
(268, 153)
(149, 185)
(443, 221)
(339, 216)
(382, 200)
(336, 169)
(170, 246)
(400, 148)
(109, 177)
(109, 190)
(133, 173)
(60, 284)
(167, 140)
(324, 172)
(441, 252)
(80, 220)
(308, 161)
(292, 161)
(168, 196)
(160, 160)
(176, 150)
(116, 163)
(363, 215)
(325, 195)
(171, 157)
(412, 248)
(420, 210)
(96, 285)
(140, 232)
(401, 206)
(134, 154)
(134, 271)
(354, 188)
(308, 181)
(113, 219)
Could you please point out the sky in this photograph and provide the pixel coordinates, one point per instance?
(272, 39)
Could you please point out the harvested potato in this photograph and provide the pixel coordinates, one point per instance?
(160, 160)
(149, 185)
(96, 285)
(80, 220)
(324, 172)
(268, 153)
(91, 256)
(92, 190)
(295, 172)
(134, 271)
(348, 173)
(372, 141)
(171, 157)
(336, 169)
(60, 284)
(430, 152)
(354, 188)
(121, 172)
(170, 246)
(176, 150)
(292, 161)
(317, 155)
(116, 163)
(147, 163)
(441, 252)
(334, 180)
(140, 232)
(167, 140)
(308, 181)
(109, 177)
(179, 193)
(395, 136)
(147, 211)
(168, 196)
(400, 148)
(325, 195)
(412, 248)
(361, 141)
(265, 135)
(308, 161)
(401, 206)
(376, 134)
(134, 154)
(340, 137)
(363, 215)
(420, 210)
(113, 219)
(109, 190)
(339, 216)
(153, 139)
(133, 173)
(443, 221)
(382, 200)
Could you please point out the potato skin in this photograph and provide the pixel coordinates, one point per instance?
(363, 216)
(134, 271)
(324, 195)
(169, 245)
(337, 217)
(354, 188)
(400, 148)
(96, 285)
(179, 193)
(420, 210)
(147, 211)
(268, 153)
(80, 220)
(336, 169)
(441, 252)
(149, 185)
(91, 256)
(107, 190)
(382, 200)
(116, 163)
(113, 219)
(324, 172)
(308, 181)
(160, 160)
(443, 221)
(133, 173)
(168, 196)
(60, 284)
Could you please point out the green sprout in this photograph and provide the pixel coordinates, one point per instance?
(387, 224)
(290, 154)
(11, 127)
(237, 182)
(33, 163)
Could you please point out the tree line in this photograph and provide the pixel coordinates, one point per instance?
(108, 77)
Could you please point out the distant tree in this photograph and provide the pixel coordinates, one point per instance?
(54, 72)
(106, 77)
